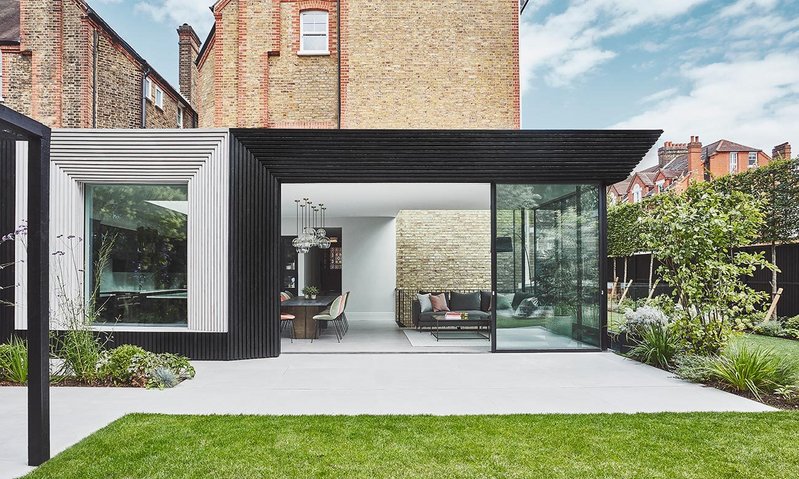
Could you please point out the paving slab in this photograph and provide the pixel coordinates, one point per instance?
(435, 384)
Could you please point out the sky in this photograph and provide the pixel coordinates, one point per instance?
(714, 68)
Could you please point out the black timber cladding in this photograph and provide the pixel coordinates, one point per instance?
(8, 160)
(414, 156)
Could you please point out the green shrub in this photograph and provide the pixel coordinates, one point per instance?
(116, 364)
(81, 352)
(769, 328)
(161, 378)
(655, 345)
(700, 337)
(14, 361)
(145, 367)
(693, 368)
(756, 370)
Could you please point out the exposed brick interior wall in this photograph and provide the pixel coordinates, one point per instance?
(509, 264)
(444, 249)
(423, 64)
(53, 78)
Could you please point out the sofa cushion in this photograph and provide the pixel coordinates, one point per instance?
(485, 301)
(439, 302)
(464, 301)
(519, 297)
(504, 301)
(424, 302)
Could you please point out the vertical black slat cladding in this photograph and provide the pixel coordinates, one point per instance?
(254, 227)
(8, 167)
(603, 267)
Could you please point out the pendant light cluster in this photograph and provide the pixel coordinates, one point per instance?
(311, 231)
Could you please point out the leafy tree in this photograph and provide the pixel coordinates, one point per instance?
(624, 233)
(693, 235)
(776, 185)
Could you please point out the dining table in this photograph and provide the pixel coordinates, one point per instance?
(304, 310)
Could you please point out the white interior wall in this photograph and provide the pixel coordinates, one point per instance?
(369, 261)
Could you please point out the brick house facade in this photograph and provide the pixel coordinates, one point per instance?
(385, 65)
(64, 66)
(680, 164)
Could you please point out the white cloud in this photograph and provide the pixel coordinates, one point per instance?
(567, 45)
(746, 7)
(178, 12)
(750, 101)
(659, 96)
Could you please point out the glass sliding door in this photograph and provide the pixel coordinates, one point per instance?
(547, 267)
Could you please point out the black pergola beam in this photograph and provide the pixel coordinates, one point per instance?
(38, 264)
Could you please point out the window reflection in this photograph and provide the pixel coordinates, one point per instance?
(548, 273)
(144, 280)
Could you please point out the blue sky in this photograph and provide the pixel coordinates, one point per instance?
(713, 68)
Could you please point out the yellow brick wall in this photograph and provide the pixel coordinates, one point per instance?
(302, 89)
(206, 102)
(425, 64)
(409, 64)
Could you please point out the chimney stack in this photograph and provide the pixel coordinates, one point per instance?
(189, 48)
(696, 167)
(669, 151)
(782, 151)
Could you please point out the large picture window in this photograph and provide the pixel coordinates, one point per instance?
(138, 235)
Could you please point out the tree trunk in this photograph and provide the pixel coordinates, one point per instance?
(625, 270)
(774, 272)
(651, 268)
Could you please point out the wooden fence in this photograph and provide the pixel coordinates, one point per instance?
(788, 278)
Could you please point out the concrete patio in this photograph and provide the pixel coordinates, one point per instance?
(436, 384)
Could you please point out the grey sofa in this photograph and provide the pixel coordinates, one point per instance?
(477, 304)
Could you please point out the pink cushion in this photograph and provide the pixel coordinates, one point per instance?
(286, 317)
(439, 302)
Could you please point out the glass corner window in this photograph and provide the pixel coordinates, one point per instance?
(137, 253)
(548, 277)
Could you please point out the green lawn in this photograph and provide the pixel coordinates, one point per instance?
(541, 446)
(784, 347)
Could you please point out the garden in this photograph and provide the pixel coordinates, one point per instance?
(712, 327)
(79, 355)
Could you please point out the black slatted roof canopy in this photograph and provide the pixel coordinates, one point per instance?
(448, 155)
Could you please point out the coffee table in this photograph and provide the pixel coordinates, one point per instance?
(459, 333)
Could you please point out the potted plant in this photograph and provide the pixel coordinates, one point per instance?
(310, 292)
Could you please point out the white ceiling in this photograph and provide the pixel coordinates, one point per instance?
(386, 199)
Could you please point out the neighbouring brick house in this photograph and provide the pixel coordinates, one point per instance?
(679, 164)
(355, 64)
(63, 65)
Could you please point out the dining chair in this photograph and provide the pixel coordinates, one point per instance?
(344, 321)
(331, 315)
(286, 320)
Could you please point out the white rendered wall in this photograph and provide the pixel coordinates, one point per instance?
(369, 261)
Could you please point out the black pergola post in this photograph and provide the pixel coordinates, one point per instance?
(15, 125)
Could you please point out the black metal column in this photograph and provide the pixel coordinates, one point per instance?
(38, 301)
